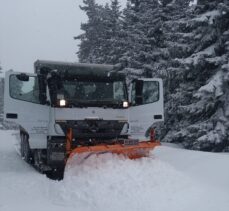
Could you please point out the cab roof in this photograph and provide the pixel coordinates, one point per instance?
(78, 70)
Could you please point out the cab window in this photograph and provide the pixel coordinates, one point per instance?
(150, 92)
(144, 92)
(25, 90)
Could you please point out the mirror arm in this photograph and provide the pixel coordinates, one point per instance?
(42, 89)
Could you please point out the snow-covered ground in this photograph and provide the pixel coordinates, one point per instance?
(172, 179)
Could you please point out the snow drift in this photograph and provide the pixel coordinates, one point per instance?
(171, 179)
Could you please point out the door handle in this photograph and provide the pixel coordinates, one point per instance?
(158, 116)
(11, 116)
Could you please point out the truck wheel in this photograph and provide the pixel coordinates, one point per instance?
(56, 173)
(25, 149)
(21, 145)
(40, 163)
(37, 160)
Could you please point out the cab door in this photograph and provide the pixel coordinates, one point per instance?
(147, 106)
(23, 106)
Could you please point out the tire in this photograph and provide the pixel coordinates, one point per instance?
(25, 149)
(39, 160)
(56, 173)
(21, 145)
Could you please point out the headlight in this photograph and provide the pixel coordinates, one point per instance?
(62, 103)
(125, 104)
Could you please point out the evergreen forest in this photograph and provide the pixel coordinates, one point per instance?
(186, 43)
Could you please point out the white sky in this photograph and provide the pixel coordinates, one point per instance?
(39, 29)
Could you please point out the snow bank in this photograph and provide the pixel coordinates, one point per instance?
(170, 179)
(114, 183)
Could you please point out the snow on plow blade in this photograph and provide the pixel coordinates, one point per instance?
(142, 149)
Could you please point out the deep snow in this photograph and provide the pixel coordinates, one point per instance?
(171, 179)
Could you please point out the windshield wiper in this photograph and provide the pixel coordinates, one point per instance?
(72, 103)
(96, 103)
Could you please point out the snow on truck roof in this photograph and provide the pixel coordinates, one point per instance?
(63, 65)
(78, 69)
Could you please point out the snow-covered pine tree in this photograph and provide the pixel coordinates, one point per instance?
(188, 48)
(143, 35)
(100, 40)
(177, 39)
(110, 48)
(198, 104)
(149, 28)
(127, 28)
(169, 46)
(93, 31)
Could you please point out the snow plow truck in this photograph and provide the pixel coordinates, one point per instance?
(76, 109)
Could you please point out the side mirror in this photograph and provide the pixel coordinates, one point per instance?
(22, 77)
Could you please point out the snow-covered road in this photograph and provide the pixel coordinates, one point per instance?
(171, 179)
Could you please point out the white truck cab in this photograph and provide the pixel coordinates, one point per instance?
(91, 99)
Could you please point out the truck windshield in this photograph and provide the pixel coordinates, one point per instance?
(95, 92)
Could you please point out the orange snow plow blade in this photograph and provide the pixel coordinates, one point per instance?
(142, 149)
(132, 149)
